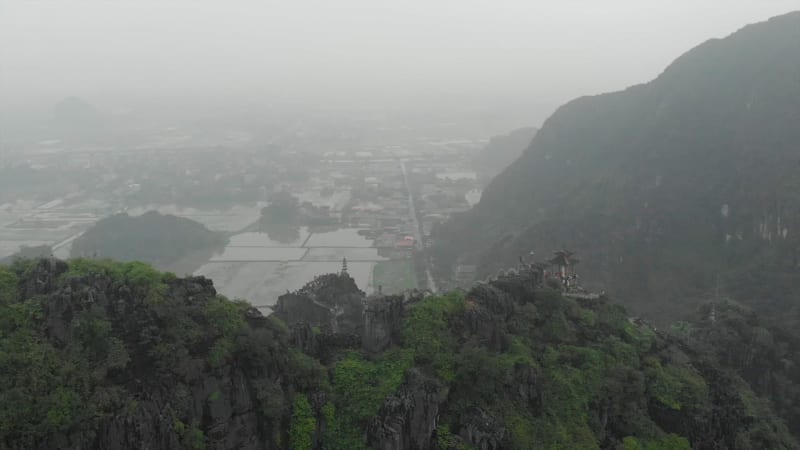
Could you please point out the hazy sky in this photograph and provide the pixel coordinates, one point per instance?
(370, 52)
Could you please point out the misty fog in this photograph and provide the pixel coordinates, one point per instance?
(515, 59)
(409, 224)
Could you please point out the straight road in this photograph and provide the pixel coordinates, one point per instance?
(412, 211)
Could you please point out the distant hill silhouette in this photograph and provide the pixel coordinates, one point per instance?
(153, 238)
(503, 150)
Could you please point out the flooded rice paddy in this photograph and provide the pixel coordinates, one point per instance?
(258, 268)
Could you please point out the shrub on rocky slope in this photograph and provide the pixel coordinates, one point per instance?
(117, 355)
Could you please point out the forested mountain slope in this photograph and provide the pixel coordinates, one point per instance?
(116, 355)
(665, 187)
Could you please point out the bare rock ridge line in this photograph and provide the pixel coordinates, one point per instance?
(334, 304)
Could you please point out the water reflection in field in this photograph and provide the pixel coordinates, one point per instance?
(259, 268)
(261, 254)
(269, 239)
(345, 237)
(337, 254)
(261, 283)
(232, 219)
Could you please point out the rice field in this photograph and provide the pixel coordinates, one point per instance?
(259, 269)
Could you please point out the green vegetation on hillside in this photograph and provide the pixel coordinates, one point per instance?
(359, 387)
(161, 240)
(125, 343)
(92, 351)
(26, 252)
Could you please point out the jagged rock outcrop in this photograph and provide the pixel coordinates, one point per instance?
(322, 346)
(331, 302)
(107, 355)
(382, 322)
(480, 430)
(407, 419)
(302, 336)
(42, 277)
(139, 359)
(527, 384)
(225, 407)
(491, 306)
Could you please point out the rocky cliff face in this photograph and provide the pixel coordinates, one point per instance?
(331, 313)
(408, 417)
(137, 359)
(482, 431)
(330, 302)
(382, 322)
(109, 355)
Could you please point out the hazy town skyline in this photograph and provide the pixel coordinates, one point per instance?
(531, 55)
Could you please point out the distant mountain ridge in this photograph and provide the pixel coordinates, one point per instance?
(665, 187)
